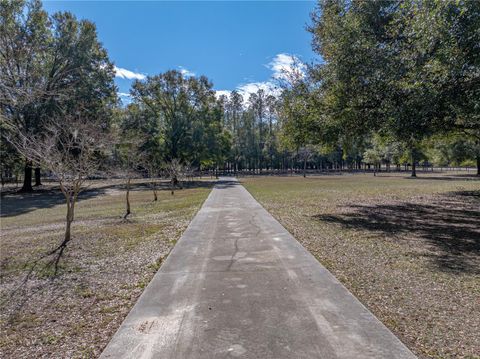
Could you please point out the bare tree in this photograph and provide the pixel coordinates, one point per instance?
(188, 172)
(129, 155)
(305, 153)
(175, 172)
(71, 148)
(152, 166)
(152, 172)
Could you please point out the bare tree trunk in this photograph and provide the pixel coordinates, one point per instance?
(71, 199)
(154, 189)
(27, 178)
(305, 167)
(69, 221)
(173, 183)
(38, 181)
(478, 164)
(414, 167)
(127, 198)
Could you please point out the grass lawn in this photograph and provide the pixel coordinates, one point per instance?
(104, 270)
(409, 249)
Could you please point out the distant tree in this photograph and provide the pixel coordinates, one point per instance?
(10, 159)
(373, 156)
(454, 149)
(301, 116)
(134, 123)
(271, 145)
(258, 106)
(186, 114)
(233, 111)
(152, 164)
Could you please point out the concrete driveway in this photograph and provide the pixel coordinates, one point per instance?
(237, 284)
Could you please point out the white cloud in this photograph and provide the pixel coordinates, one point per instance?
(127, 74)
(185, 72)
(247, 89)
(284, 64)
(126, 98)
(251, 87)
(219, 93)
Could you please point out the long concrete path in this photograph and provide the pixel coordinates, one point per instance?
(237, 284)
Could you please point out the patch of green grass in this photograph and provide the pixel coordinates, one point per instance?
(109, 309)
(84, 292)
(50, 339)
(142, 284)
(155, 266)
(86, 352)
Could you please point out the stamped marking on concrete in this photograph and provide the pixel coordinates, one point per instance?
(237, 284)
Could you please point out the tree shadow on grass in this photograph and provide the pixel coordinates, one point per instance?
(458, 177)
(43, 269)
(449, 226)
(226, 183)
(15, 203)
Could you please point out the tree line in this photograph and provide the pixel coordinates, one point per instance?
(397, 84)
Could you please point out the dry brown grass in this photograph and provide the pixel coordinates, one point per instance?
(104, 270)
(409, 249)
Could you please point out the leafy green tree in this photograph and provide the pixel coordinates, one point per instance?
(50, 65)
(407, 69)
(455, 149)
(233, 114)
(184, 113)
(301, 117)
(459, 61)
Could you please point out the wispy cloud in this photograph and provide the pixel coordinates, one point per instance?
(126, 98)
(247, 89)
(185, 72)
(219, 93)
(127, 74)
(283, 64)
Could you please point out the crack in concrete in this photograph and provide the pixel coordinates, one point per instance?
(259, 230)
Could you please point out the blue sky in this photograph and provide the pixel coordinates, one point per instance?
(237, 45)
